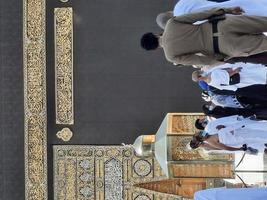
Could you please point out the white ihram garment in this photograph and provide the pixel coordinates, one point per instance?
(251, 7)
(226, 121)
(235, 65)
(252, 133)
(248, 76)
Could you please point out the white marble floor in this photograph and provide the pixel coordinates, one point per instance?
(252, 170)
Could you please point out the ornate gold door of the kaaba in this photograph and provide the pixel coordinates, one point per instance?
(114, 173)
(106, 173)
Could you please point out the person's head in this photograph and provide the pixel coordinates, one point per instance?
(201, 123)
(197, 76)
(163, 18)
(150, 41)
(194, 144)
(198, 139)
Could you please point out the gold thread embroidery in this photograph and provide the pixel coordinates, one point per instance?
(64, 65)
(35, 99)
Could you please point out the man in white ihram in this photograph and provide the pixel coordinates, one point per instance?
(258, 8)
(214, 125)
(235, 131)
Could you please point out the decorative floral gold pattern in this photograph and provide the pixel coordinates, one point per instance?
(88, 172)
(179, 150)
(211, 170)
(184, 123)
(35, 19)
(64, 65)
(35, 100)
(113, 180)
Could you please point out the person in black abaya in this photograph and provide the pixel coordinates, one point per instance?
(218, 111)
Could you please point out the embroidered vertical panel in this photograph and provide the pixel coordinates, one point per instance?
(35, 99)
(64, 65)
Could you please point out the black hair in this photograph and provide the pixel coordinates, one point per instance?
(196, 141)
(199, 125)
(149, 41)
(194, 144)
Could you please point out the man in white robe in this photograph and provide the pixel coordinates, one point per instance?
(232, 194)
(258, 8)
(235, 131)
(250, 132)
(213, 125)
(220, 77)
(234, 65)
(250, 74)
(210, 125)
(234, 122)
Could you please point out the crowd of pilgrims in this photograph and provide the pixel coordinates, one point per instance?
(235, 109)
(226, 41)
(231, 74)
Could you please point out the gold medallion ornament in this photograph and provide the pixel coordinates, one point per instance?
(65, 134)
(142, 167)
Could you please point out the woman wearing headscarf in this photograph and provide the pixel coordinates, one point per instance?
(219, 111)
